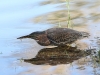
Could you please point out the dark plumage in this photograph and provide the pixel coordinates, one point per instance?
(56, 36)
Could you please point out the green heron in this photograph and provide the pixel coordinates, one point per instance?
(56, 36)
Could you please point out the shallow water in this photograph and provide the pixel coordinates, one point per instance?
(19, 18)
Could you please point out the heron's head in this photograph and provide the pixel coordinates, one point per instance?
(85, 34)
(33, 35)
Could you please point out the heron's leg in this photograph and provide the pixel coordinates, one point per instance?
(68, 46)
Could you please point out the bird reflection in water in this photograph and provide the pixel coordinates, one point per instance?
(58, 55)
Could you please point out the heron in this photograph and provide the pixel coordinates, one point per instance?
(56, 36)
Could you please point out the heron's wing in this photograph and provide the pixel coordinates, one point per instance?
(62, 35)
(43, 40)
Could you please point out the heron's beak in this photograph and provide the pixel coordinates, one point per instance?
(23, 37)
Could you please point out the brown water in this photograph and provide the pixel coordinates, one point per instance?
(23, 17)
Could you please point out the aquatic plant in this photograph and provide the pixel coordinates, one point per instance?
(69, 25)
(98, 57)
(59, 24)
(95, 59)
(99, 54)
(69, 18)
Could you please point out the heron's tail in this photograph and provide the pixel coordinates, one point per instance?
(22, 37)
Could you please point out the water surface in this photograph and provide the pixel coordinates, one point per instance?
(19, 18)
